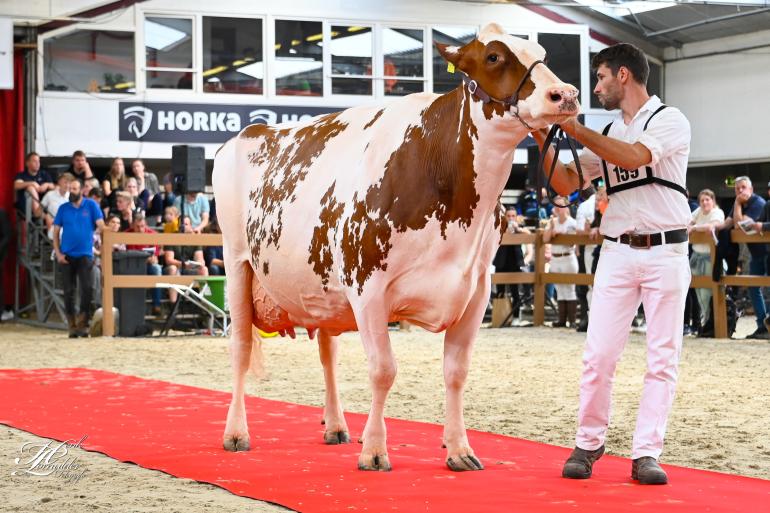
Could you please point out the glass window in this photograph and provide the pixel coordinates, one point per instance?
(654, 81)
(443, 81)
(563, 56)
(351, 51)
(232, 55)
(298, 58)
(168, 44)
(89, 61)
(402, 51)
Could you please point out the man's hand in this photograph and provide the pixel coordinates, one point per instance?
(594, 234)
(61, 257)
(570, 126)
(757, 227)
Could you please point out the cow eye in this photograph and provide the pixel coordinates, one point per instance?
(492, 57)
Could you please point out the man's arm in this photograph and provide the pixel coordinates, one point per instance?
(565, 179)
(620, 153)
(56, 246)
(204, 223)
(20, 184)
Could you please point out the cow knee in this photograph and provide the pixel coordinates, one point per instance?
(455, 376)
(383, 374)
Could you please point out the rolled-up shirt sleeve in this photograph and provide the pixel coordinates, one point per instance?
(667, 134)
(591, 165)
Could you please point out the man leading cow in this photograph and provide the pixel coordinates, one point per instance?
(642, 156)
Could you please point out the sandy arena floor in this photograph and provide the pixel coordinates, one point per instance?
(523, 383)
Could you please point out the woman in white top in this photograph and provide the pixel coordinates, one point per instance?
(563, 260)
(704, 219)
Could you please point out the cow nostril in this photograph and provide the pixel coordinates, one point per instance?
(555, 97)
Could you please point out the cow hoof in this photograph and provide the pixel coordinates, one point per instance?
(336, 437)
(236, 444)
(464, 463)
(377, 462)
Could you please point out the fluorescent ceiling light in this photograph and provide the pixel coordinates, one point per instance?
(160, 36)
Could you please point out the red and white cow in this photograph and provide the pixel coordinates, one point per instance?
(376, 214)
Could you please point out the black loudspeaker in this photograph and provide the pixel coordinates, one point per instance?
(188, 163)
(533, 158)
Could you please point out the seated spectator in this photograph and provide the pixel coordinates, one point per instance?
(80, 168)
(171, 220)
(113, 225)
(215, 261)
(34, 181)
(139, 225)
(184, 260)
(54, 199)
(140, 198)
(163, 199)
(125, 210)
(197, 207)
(146, 181)
(114, 182)
(96, 194)
(88, 186)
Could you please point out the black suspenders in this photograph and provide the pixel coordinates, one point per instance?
(648, 179)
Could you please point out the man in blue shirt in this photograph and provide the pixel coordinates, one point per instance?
(196, 207)
(75, 223)
(748, 208)
(34, 181)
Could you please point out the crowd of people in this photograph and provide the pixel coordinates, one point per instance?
(75, 208)
(571, 303)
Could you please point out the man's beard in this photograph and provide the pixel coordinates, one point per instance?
(609, 102)
(74, 198)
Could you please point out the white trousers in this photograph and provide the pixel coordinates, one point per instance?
(658, 278)
(564, 264)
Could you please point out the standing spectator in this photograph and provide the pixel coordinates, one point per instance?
(75, 253)
(510, 258)
(215, 260)
(704, 219)
(125, 210)
(163, 199)
(140, 199)
(139, 225)
(5, 241)
(583, 219)
(114, 182)
(563, 260)
(147, 181)
(56, 198)
(748, 207)
(80, 168)
(197, 207)
(34, 181)
(184, 260)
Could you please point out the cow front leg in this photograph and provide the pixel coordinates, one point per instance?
(236, 436)
(382, 374)
(334, 419)
(458, 347)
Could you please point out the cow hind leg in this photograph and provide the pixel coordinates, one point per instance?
(382, 374)
(336, 429)
(242, 338)
(458, 346)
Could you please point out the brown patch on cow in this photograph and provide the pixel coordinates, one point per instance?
(374, 119)
(285, 154)
(501, 222)
(265, 268)
(321, 243)
(430, 176)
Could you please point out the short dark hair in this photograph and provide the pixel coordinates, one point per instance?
(623, 55)
(78, 153)
(30, 155)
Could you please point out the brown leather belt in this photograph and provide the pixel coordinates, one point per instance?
(647, 240)
(556, 255)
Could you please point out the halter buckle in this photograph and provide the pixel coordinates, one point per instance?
(472, 86)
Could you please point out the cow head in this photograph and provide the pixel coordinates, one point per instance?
(499, 62)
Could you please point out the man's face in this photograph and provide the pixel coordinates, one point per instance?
(743, 190)
(608, 88)
(79, 163)
(64, 186)
(33, 164)
(140, 225)
(74, 187)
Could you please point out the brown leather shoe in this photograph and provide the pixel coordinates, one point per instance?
(580, 463)
(647, 471)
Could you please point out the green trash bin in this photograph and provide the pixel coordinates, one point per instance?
(213, 289)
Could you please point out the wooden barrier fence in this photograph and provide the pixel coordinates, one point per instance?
(539, 278)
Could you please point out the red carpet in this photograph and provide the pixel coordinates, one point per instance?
(178, 429)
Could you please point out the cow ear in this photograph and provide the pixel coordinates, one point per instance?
(452, 54)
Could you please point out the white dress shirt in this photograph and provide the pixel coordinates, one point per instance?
(648, 208)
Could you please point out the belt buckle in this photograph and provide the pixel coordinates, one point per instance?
(640, 240)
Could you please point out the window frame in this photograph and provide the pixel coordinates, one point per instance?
(432, 27)
(197, 53)
(327, 59)
(265, 78)
(583, 51)
(427, 58)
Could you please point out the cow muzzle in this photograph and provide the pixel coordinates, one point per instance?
(563, 99)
